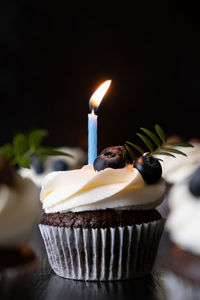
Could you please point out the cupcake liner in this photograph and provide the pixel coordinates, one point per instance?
(102, 253)
(179, 288)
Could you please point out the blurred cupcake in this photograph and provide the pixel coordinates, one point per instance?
(177, 170)
(19, 213)
(41, 167)
(100, 221)
(183, 225)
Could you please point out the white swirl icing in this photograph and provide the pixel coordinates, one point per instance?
(175, 170)
(85, 189)
(184, 219)
(19, 212)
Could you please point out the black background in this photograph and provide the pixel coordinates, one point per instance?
(53, 57)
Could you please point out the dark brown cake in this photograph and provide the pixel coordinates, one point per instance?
(100, 218)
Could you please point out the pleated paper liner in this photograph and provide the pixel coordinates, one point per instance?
(102, 254)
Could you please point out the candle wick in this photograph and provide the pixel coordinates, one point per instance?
(93, 110)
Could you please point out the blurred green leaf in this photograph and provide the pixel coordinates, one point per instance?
(49, 151)
(180, 144)
(36, 137)
(7, 151)
(20, 145)
(23, 162)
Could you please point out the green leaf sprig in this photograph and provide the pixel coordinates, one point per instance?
(24, 146)
(155, 143)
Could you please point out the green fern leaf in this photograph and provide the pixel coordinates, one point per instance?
(130, 152)
(152, 135)
(161, 133)
(138, 148)
(180, 144)
(165, 153)
(127, 157)
(146, 141)
(174, 151)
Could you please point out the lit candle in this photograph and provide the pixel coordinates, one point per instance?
(94, 102)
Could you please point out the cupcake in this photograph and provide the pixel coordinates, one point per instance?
(100, 221)
(19, 214)
(19, 207)
(183, 261)
(41, 167)
(177, 170)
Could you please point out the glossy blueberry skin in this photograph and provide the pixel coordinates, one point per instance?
(194, 183)
(60, 165)
(111, 157)
(149, 167)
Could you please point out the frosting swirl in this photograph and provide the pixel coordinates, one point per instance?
(19, 211)
(86, 189)
(184, 219)
(175, 170)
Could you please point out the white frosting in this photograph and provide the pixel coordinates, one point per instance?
(79, 158)
(19, 211)
(184, 219)
(177, 169)
(86, 189)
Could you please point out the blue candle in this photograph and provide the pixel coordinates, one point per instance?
(94, 102)
(92, 137)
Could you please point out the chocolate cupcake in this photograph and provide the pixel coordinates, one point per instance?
(183, 260)
(100, 221)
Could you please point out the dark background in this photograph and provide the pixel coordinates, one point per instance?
(53, 57)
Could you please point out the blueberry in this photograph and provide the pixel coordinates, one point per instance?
(149, 167)
(194, 183)
(60, 165)
(34, 160)
(111, 157)
(37, 165)
(39, 168)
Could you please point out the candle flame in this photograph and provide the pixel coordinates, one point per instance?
(98, 95)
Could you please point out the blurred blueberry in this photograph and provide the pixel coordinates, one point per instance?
(60, 165)
(37, 165)
(194, 184)
(39, 168)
